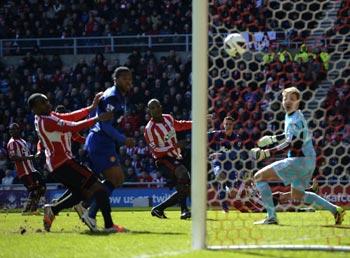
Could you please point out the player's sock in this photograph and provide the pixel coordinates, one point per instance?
(93, 206)
(171, 201)
(102, 203)
(183, 205)
(68, 202)
(312, 198)
(35, 201)
(266, 197)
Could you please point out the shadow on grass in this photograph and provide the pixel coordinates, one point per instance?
(261, 253)
(336, 226)
(214, 220)
(136, 232)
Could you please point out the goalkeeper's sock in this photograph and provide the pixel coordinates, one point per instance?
(93, 206)
(312, 198)
(266, 197)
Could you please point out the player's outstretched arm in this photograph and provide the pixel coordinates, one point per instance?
(52, 123)
(269, 139)
(81, 113)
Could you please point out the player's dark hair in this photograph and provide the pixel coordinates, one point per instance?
(118, 71)
(33, 98)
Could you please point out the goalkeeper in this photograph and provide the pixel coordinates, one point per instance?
(295, 170)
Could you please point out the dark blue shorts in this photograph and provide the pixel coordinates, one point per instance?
(102, 155)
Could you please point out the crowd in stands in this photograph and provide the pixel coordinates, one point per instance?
(342, 24)
(303, 69)
(68, 18)
(166, 78)
(240, 14)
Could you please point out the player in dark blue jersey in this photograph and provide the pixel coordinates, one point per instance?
(224, 145)
(101, 143)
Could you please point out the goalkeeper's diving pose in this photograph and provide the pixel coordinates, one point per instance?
(295, 170)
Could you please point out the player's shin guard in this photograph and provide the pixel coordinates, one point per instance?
(102, 203)
(266, 197)
(312, 198)
(109, 187)
(68, 202)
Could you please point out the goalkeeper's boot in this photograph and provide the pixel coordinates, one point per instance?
(267, 221)
(339, 216)
(158, 213)
(80, 209)
(88, 221)
(116, 229)
(48, 217)
(185, 215)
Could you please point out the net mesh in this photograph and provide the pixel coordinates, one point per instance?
(248, 89)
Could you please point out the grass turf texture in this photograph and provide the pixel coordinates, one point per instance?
(23, 236)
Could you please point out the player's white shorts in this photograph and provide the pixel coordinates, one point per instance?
(296, 171)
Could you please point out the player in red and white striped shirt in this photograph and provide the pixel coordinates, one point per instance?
(160, 134)
(55, 132)
(19, 153)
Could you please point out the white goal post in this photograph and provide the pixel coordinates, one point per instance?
(199, 113)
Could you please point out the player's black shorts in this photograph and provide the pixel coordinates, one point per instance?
(167, 167)
(74, 176)
(32, 180)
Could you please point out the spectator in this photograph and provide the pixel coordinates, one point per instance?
(8, 178)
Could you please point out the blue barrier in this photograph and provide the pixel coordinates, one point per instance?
(122, 197)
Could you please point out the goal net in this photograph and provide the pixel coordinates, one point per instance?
(291, 43)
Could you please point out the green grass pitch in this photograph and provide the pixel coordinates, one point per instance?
(22, 236)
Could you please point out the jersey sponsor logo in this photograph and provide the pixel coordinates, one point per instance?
(109, 107)
(170, 134)
(60, 122)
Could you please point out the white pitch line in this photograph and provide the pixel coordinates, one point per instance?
(172, 253)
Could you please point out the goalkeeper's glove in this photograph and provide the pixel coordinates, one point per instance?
(266, 140)
(259, 154)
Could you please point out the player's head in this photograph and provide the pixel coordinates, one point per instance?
(291, 99)
(39, 104)
(154, 108)
(60, 109)
(14, 130)
(123, 78)
(228, 123)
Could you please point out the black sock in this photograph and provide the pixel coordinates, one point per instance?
(102, 202)
(171, 201)
(275, 198)
(183, 205)
(65, 203)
